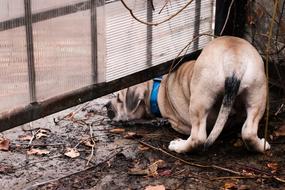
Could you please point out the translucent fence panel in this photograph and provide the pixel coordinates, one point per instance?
(14, 86)
(62, 54)
(56, 54)
(43, 5)
(132, 46)
(11, 9)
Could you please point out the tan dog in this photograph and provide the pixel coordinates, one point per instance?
(227, 66)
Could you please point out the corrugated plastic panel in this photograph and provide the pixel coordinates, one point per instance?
(78, 42)
(40, 5)
(127, 42)
(11, 9)
(62, 53)
(14, 87)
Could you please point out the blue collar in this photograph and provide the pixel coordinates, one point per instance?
(153, 97)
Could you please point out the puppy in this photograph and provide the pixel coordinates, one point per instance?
(228, 67)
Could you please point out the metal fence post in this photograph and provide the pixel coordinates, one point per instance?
(149, 18)
(197, 24)
(94, 49)
(30, 50)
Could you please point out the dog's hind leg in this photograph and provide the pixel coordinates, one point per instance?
(255, 106)
(200, 105)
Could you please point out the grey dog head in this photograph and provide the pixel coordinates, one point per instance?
(129, 104)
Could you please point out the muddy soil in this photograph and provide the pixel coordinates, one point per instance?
(129, 156)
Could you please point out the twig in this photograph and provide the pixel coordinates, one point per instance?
(155, 23)
(227, 18)
(191, 163)
(74, 173)
(71, 114)
(27, 144)
(280, 108)
(241, 175)
(33, 137)
(236, 177)
(267, 69)
(92, 148)
(166, 2)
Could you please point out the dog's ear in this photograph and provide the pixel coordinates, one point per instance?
(134, 98)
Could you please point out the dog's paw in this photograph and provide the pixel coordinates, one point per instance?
(178, 145)
(267, 145)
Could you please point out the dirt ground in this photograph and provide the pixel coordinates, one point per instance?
(129, 156)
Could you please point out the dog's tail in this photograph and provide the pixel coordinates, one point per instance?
(231, 90)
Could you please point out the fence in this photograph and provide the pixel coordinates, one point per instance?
(57, 54)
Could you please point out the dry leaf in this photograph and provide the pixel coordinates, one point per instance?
(230, 185)
(165, 173)
(280, 132)
(42, 133)
(132, 135)
(71, 152)
(138, 171)
(89, 142)
(34, 151)
(4, 169)
(4, 144)
(25, 137)
(273, 166)
(247, 173)
(117, 130)
(156, 187)
(143, 148)
(152, 169)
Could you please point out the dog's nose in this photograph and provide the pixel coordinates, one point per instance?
(110, 112)
(108, 105)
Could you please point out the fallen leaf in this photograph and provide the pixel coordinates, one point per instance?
(132, 135)
(89, 142)
(152, 169)
(34, 151)
(273, 166)
(25, 137)
(230, 185)
(165, 173)
(247, 173)
(117, 130)
(138, 171)
(142, 147)
(244, 187)
(4, 143)
(280, 132)
(4, 169)
(42, 133)
(156, 187)
(71, 152)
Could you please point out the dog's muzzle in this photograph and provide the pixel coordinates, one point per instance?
(110, 111)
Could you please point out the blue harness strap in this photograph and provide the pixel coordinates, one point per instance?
(153, 97)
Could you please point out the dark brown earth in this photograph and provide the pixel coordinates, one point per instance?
(133, 156)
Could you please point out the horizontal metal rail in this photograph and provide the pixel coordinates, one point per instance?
(46, 15)
(38, 110)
